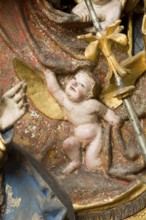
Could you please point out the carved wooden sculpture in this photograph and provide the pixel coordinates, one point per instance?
(48, 37)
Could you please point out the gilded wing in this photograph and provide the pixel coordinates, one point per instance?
(37, 90)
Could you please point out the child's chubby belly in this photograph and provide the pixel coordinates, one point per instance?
(87, 132)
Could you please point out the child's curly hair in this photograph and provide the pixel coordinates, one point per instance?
(97, 86)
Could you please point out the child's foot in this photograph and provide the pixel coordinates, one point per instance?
(71, 167)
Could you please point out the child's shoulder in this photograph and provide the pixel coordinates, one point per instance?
(93, 102)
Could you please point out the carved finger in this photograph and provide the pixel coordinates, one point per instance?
(87, 18)
(18, 97)
(25, 108)
(24, 87)
(76, 18)
(20, 104)
(10, 93)
(84, 18)
(81, 16)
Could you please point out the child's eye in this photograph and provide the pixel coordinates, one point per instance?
(82, 85)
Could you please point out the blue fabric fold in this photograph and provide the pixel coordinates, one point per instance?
(28, 191)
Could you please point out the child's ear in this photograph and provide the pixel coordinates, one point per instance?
(90, 95)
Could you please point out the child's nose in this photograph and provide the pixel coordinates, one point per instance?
(75, 83)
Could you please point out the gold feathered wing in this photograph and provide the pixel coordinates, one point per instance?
(37, 90)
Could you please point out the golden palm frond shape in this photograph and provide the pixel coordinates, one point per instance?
(37, 90)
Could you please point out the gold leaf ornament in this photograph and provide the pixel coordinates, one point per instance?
(130, 70)
(103, 42)
(118, 38)
(37, 90)
(92, 52)
(136, 66)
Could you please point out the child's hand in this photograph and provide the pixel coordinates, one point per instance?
(85, 17)
(115, 121)
(82, 12)
(112, 118)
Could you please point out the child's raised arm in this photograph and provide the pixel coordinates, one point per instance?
(54, 87)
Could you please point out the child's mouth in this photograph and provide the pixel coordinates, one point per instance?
(72, 88)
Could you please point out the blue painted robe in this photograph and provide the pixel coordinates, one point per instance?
(30, 192)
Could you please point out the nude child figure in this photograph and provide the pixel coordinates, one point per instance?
(107, 11)
(82, 110)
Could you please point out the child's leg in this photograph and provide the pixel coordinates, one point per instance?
(93, 161)
(71, 146)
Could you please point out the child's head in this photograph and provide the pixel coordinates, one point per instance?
(83, 85)
(96, 89)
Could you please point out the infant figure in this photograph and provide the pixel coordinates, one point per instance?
(107, 11)
(82, 110)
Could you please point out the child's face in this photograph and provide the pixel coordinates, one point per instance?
(80, 87)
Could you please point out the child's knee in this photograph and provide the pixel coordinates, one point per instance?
(70, 142)
(93, 163)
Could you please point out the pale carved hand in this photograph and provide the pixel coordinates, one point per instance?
(81, 11)
(13, 106)
(85, 17)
